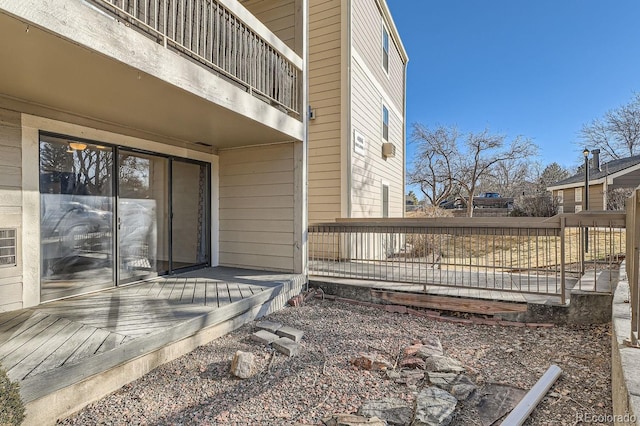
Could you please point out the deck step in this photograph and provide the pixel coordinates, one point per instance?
(444, 303)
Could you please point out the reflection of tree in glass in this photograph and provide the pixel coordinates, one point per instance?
(133, 176)
(85, 172)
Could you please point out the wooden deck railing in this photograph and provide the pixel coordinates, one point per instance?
(209, 32)
(528, 255)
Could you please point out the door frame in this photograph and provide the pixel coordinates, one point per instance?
(116, 148)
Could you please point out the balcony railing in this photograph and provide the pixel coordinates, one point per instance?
(545, 256)
(210, 33)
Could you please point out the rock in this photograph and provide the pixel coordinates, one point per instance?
(412, 362)
(352, 420)
(242, 365)
(463, 388)
(458, 385)
(434, 407)
(269, 326)
(431, 346)
(290, 332)
(442, 380)
(370, 362)
(392, 374)
(496, 401)
(296, 301)
(264, 337)
(412, 350)
(394, 410)
(410, 377)
(443, 364)
(286, 346)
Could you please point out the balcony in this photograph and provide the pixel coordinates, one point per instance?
(198, 74)
(215, 36)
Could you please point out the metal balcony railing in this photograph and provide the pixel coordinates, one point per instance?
(544, 256)
(210, 33)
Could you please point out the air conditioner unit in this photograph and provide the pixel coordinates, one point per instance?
(388, 150)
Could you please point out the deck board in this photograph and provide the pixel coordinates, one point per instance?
(88, 347)
(40, 349)
(189, 289)
(60, 354)
(199, 294)
(27, 334)
(234, 292)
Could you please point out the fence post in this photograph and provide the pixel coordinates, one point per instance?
(562, 260)
(633, 279)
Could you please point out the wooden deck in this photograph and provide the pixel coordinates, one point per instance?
(60, 344)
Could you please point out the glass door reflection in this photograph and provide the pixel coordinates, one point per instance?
(143, 212)
(189, 219)
(76, 217)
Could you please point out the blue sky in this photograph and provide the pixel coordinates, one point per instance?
(537, 68)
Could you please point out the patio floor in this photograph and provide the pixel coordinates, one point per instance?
(70, 352)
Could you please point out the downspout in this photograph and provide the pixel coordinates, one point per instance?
(305, 141)
(349, 103)
(404, 138)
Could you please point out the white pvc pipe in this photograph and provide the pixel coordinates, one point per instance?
(532, 398)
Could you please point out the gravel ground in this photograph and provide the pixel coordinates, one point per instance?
(198, 388)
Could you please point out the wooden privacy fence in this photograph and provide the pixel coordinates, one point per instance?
(210, 33)
(527, 255)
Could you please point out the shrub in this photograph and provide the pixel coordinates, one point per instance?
(11, 406)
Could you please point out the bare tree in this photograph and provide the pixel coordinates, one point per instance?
(432, 164)
(482, 152)
(617, 133)
(510, 178)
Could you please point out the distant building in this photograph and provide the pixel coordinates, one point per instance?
(621, 173)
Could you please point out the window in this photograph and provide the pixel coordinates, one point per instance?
(385, 49)
(8, 244)
(560, 196)
(385, 200)
(560, 209)
(578, 208)
(578, 194)
(385, 123)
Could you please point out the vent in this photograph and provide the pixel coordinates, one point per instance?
(8, 247)
(388, 150)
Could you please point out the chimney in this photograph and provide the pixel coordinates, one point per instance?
(596, 159)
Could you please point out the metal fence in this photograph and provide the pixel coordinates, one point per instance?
(527, 255)
(633, 262)
(208, 32)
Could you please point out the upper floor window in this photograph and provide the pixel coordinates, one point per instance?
(578, 195)
(385, 49)
(560, 196)
(385, 123)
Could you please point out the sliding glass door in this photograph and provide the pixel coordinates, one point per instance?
(189, 191)
(113, 215)
(143, 216)
(76, 217)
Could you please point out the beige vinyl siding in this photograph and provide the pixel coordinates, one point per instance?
(371, 170)
(325, 181)
(277, 15)
(596, 198)
(367, 42)
(257, 207)
(11, 205)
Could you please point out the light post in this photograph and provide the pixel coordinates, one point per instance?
(586, 196)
